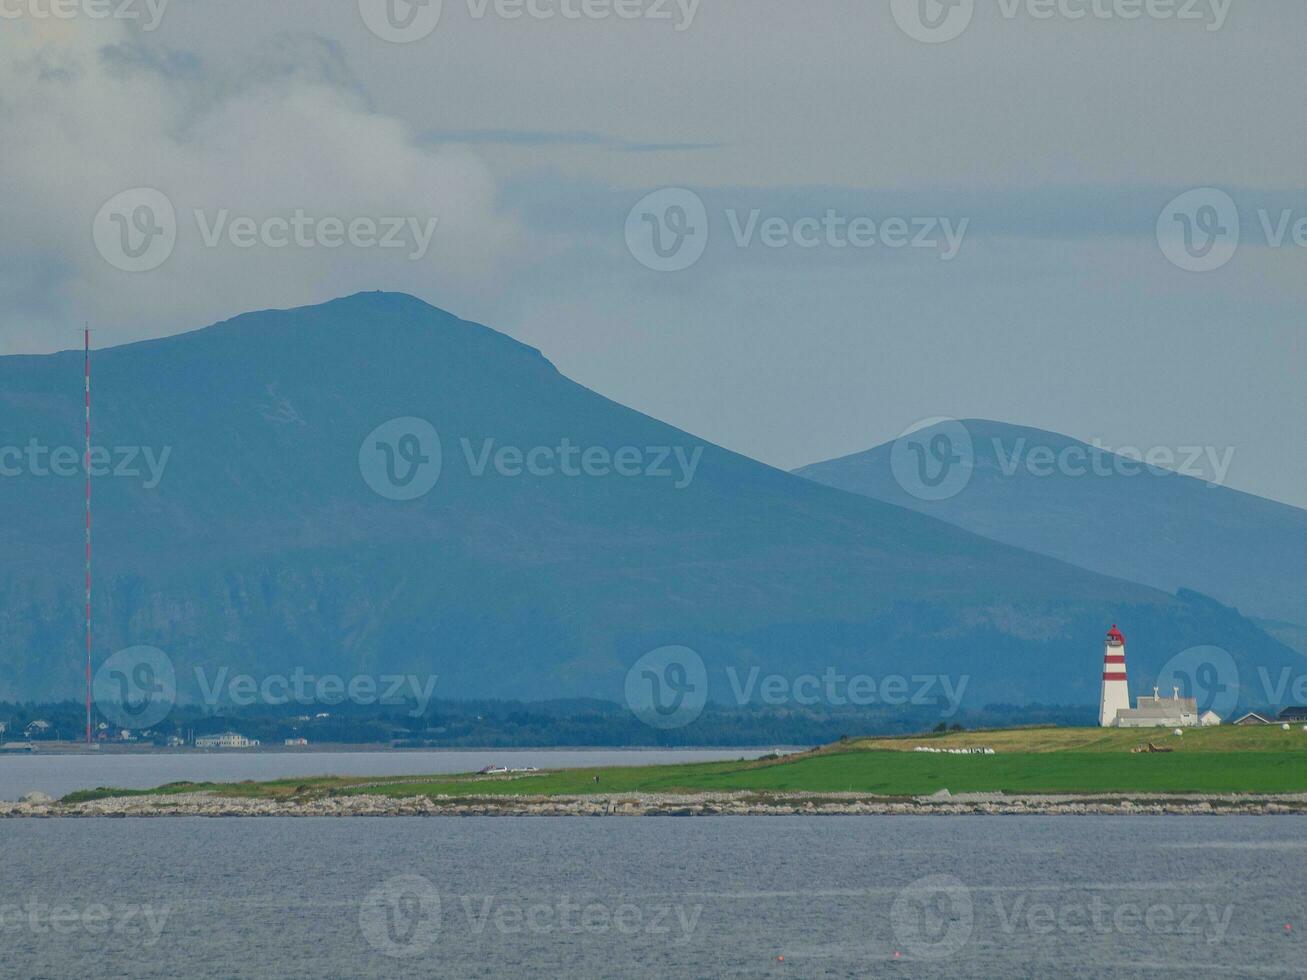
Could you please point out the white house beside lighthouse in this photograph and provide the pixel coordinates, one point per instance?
(1116, 692)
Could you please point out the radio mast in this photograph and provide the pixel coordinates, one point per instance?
(86, 464)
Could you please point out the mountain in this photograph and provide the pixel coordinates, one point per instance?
(264, 548)
(1107, 513)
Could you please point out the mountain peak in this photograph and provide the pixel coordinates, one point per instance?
(379, 299)
(1177, 525)
(372, 316)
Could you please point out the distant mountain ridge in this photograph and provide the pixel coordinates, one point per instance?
(1108, 513)
(263, 547)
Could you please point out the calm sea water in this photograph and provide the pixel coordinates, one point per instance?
(623, 897)
(58, 774)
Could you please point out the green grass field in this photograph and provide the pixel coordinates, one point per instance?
(1033, 760)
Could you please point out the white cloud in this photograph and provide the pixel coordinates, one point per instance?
(87, 111)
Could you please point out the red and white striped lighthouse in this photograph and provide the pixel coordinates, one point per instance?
(1116, 692)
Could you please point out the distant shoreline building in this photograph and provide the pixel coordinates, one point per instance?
(227, 740)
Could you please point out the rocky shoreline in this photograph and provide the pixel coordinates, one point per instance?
(37, 805)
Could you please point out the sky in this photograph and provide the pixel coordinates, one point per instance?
(794, 229)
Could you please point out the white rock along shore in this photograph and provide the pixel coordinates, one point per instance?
(656, 804)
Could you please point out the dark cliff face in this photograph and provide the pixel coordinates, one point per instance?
(530, 569)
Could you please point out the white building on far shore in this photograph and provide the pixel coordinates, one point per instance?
(227, 740)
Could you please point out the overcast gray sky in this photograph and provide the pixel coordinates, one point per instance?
(1032, 158)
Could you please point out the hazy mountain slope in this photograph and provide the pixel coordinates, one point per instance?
(1154, 526)
(263, 548)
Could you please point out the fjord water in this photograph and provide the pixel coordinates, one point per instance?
(640, 897)
(60, 774)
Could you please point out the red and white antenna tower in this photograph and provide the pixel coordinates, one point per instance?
(86, 464)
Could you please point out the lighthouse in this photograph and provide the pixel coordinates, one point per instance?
(1116, 693)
